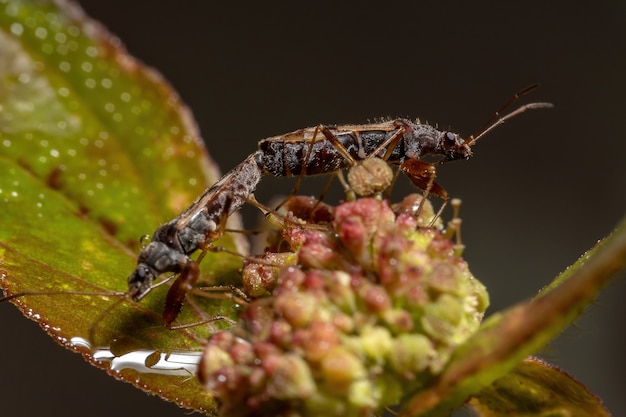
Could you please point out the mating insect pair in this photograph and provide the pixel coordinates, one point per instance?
(312, 151)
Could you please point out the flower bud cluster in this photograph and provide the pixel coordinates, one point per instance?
(361, 314)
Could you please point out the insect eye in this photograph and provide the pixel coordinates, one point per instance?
(450, 138)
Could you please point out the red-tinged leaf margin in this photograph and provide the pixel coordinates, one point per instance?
(96, 150)
(533, 388)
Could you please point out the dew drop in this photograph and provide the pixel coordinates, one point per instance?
(60, 37)
(86, 66)
(72, 46)
(63, 92)
(41, 33)
(62, 49)
(73, 30)
(24, 78)
(92, 51)
(65, 66)
(90, 83)
(17, 29)
(11, 10)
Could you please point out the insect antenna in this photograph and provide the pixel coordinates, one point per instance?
(497, 119)
(85, 293)
(103, 315)
(92, 329)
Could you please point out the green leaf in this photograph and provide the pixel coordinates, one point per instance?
(506, 338)
(534, 388)
(96, 150)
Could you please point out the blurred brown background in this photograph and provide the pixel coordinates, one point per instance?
(540, 190)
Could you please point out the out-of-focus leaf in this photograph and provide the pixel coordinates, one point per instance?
(506, 338)
(96, 150)
(535, 388)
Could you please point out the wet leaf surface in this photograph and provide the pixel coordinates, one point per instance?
(96, 150)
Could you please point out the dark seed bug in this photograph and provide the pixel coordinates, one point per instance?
(194, 229)
(331, 149)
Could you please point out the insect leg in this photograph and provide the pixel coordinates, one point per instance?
(373, 174)
(422, 175)
(390, 143)
(178, 291)
(305, 162)
(190, 270)
(393, 181)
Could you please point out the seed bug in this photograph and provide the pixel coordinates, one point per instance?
(202, 223)
(194, 229)
(327, 149)
(300, 153)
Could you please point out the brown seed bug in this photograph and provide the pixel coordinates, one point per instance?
(331, 149)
